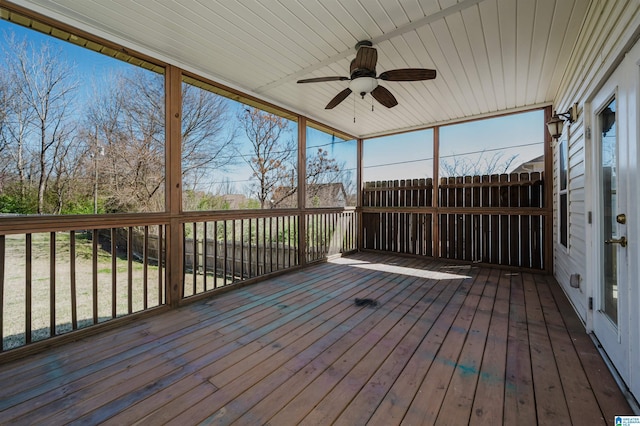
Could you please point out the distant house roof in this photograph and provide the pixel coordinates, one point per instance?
(235, 201)
(318, 195)
(533, 165)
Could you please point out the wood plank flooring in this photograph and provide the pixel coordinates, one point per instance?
(447, 344)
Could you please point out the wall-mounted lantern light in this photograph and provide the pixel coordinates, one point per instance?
(556, 123)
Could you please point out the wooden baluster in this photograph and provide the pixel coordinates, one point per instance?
(28, 284)
(2, 267)
(114, 271)
(145, 268)
(130, 270)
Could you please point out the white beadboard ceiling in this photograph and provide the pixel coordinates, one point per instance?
(492, 56)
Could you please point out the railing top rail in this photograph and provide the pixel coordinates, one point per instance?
(20, 224)
(254, 213)
(40, 223)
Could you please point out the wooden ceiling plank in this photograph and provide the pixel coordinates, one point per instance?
(491, 38)
(507, 21)
(460, 36)
(395, 13)
(478, 47)
(302, 38)
(327, 29)
(266, 29)
(558, 31)
(524, 39)
(569, 46)
(445, 82)
(411, 8)
(419, 96)
(457, 76)
(432, 89)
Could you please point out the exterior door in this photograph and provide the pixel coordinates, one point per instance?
(614, 283)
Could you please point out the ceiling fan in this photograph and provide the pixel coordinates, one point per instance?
(363, 78)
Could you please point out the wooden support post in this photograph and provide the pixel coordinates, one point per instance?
(2, 267)
(435, 219)
(548, 195)
(358, 214)
(302, 190)
(173, 185)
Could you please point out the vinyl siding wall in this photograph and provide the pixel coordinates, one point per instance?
(610, 29)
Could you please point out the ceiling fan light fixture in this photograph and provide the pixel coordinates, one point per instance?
(362, 77)
(363, 85)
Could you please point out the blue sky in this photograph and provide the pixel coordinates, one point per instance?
(411, 154)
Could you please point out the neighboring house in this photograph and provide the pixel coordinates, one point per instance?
(326, 195)
(533, 165)
(235, 201)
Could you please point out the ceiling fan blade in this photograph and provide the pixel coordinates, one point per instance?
(408, 74)
(384, 96)
(338, 98)
(366, 58)
(322, 79)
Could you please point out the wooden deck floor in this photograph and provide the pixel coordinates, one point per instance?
(447, 344)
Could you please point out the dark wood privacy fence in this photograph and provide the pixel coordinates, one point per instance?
(497, 219)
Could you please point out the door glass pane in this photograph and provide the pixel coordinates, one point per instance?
(607, 122)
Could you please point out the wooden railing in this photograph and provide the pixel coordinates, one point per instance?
(330, 233)
(497, 219)
(220, 251)
(229, 247)
(59, 281)
(65, 274)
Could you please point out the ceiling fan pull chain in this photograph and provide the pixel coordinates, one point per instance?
(354, 108)
(371, 103)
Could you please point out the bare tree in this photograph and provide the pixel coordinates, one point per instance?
(207, 135)
(273, 153)
(322, 171)
(67, 180)
(459, 165)
(5, 97)
(123, 139)
(4, 105)
(127, 121)
(43, 88)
